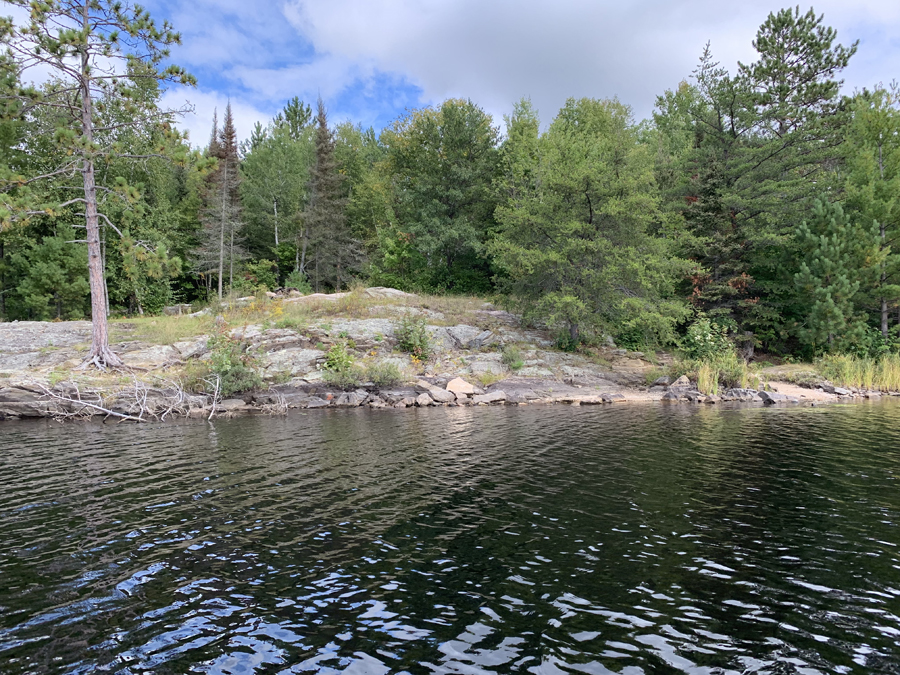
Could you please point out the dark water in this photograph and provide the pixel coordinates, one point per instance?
(633, 539)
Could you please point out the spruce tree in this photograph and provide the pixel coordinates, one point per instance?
(221, 241)
(337, 252)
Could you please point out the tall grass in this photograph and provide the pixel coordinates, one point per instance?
(726, 371)
(874, 373)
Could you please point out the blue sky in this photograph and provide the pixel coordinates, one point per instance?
(372, 59)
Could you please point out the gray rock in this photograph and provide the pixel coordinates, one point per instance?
(496, 396)
(613, 397)
(383, 292)
(663, 381)
(231, 404)
(739, 395)
(177, 310)
(442, 395)
(773, 397)
(712, 398)
(682, 381)
(189, 349)
(423, 400)
(293, 362)
(670, 396)
(316, 402)
(840, 391)
(460, 386)
(350, 399)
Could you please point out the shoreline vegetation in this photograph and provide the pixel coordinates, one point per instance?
(377, 348)
(754, 215)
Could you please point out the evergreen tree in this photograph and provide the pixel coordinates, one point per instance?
(836, 257)
(220, 247)
(81, 43)
(872, 188)
(576, 229)
(337, 253)
(765, 142)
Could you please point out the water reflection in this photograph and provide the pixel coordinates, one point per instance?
(542, 540)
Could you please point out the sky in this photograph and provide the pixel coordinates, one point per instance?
(370, 60)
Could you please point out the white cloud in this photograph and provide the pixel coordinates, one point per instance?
(496, 52)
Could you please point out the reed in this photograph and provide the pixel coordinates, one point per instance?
(880, 373)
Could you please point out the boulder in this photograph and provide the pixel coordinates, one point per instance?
(840, 391)
(423, 400)
(316, 402)
(773, 397)
(663, 381)
(670, 396)
(349, 399)
(383, 292)
(682, 381)
(231, 404)
(177, 310)
(442, 395)
(612, 397)
(460, 386)
(496, 396)
(712, 398)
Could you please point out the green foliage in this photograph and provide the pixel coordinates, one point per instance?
(512, 357)
(413, 337)
(576, 235)
(339, 359)
(442, 162)
(725, 369)
(383, 374)
(261, 275)
(837, 257)
(706, 340)
(234, 364)
(873, 373)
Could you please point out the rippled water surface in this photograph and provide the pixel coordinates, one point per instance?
(632, 539)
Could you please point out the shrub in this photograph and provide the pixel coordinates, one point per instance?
(706, 340)
(339, 359)
(881, 372)
(383, 374)
(412, 336)
(235, 365)
(298, 280)
(512, 357)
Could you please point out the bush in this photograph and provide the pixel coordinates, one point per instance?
(383, 374)
(412, 336)
(299, 281)
(233, 363)
(512, 357)
(338, 359)
(706, 340)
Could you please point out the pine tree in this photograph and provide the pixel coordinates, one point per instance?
(872, 188)
(337, 253)
(84, 43)
(837, 256)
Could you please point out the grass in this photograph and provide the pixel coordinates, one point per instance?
(880, 373)
(726, 371)
(512, 358)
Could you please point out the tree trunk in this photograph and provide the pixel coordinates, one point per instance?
(100, 355)
(275, 207)
(884, 306)
(222, 229)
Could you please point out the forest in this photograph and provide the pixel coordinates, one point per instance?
(758, 208)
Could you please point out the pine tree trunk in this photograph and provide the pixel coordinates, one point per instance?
(100, 355)
(884, 307)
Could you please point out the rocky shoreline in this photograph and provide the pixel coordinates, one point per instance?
(468, 368)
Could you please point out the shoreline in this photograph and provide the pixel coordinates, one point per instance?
(480, 355)
(152, 404)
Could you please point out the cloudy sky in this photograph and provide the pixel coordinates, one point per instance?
(372, 59)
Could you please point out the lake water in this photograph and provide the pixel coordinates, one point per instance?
(620, 539)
